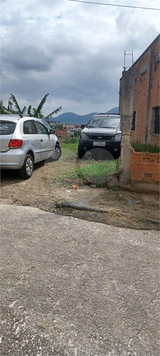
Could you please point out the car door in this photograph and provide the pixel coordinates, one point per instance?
(47, 144)
(31, 139)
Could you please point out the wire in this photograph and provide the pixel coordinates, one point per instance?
(130, 6)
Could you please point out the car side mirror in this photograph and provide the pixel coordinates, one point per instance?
(83, 126)
(49, 131)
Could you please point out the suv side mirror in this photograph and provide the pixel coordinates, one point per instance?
(49, 131)
(83, 126)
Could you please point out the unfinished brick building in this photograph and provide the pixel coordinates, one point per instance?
(140, 96)
(139, 103)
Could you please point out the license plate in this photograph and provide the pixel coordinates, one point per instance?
(99, 144)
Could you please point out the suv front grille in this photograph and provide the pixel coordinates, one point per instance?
(101, 137)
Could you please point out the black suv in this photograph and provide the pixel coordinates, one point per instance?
(102, 131)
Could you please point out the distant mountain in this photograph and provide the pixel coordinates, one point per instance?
(71, 118)
(114, 110)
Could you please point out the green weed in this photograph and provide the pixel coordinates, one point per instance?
(139, 147)
(71, 140)
(94, 172)
(69, 150)
(87, 170)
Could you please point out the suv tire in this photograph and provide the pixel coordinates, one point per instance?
(27, 169)
(81, 152)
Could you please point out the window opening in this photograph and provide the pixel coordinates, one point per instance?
(157, 120)
(133, 126)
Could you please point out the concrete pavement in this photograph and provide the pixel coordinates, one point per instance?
(71, 287)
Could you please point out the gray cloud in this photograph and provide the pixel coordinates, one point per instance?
(26, 58)
(72, 51)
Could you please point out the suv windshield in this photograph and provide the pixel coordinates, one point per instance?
(104, 122)
(7, 127)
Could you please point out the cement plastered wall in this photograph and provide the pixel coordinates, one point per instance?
(127, 95)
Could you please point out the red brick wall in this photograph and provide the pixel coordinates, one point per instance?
(61, 133)
(154, 95)
(141, 93)
(146, 93)
(140, 106)
(145, 166)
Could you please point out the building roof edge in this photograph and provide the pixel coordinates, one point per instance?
(151, 44)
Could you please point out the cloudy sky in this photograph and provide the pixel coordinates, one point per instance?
(73, 51)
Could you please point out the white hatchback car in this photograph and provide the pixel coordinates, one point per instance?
(24, 141)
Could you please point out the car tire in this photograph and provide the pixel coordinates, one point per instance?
(101, 154)
(116, 155)
(27, 169)
(81, 152)
(57, 154)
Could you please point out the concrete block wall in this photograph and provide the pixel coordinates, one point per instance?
(145, 167)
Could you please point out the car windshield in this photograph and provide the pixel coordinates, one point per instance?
(104, 122)
(7, 127)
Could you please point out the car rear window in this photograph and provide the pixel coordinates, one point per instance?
(7, 127)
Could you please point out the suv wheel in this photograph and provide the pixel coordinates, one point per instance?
(81, 152)
(27, 169)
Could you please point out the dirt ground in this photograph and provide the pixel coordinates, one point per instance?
(49, 186)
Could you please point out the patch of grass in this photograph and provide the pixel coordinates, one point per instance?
(87, 170)
(115, 189)
(69, 150)
(93, 172)
(139, 147)
(71, 140)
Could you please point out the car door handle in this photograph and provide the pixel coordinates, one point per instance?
(41, 140)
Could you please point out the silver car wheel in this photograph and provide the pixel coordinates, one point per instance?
(57, 153)
(27, 169)
(29, 166)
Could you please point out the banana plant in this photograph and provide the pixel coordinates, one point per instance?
(3, 109)
(52, 113)
(13, 99)
(32, 111)
(37, 112)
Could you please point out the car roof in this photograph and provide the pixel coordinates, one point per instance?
(9, 117)
(106, 115)
(102, 116)
(16, 117)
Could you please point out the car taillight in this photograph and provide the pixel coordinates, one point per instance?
(15, 144)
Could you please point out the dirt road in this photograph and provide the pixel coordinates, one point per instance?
(50, 184)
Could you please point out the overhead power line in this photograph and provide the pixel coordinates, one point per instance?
(129, 6)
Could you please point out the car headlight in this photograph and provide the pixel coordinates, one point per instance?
(117, 137)
(83, 135)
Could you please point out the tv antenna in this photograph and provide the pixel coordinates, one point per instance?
(127, 54)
